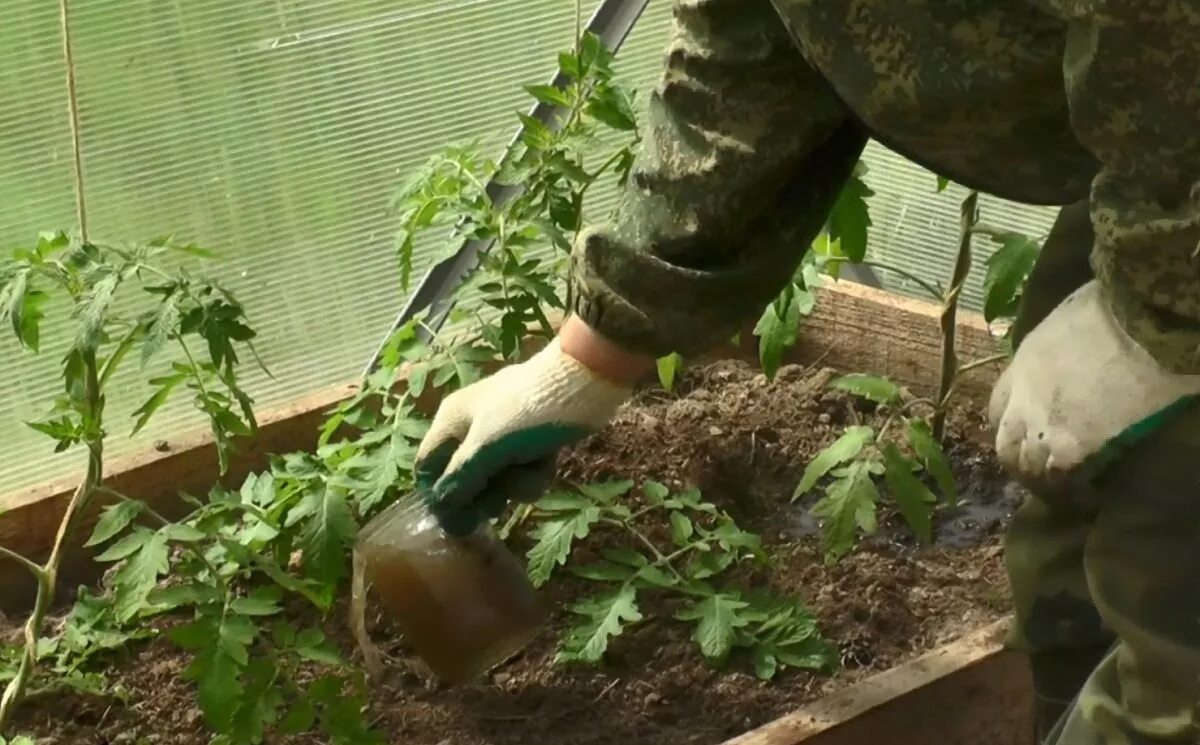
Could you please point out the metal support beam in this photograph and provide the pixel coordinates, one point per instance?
(611, 22)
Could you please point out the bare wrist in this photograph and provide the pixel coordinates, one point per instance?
(602, 356)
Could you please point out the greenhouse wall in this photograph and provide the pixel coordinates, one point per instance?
(275, 134)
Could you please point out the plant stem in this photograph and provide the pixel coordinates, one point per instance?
(73, 111)
(33, 568)
(935, 292)
(47, 576)
(968, 367)
(949, 317)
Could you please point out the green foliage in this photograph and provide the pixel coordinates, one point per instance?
(778, 328)
(850, 221)
(691, 564)
(1007, 270)
(851, 465)
(668, 370)
(98, 281)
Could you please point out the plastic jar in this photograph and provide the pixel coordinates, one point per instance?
(464, 605)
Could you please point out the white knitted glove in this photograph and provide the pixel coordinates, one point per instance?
(1078, 392)
(495, 440)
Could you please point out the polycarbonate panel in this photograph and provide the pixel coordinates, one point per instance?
(274, 133)
(916, 229)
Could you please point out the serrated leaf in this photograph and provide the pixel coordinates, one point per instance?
(312, 645)
(1007, 269)
(871, 387)
(139, 575)
(113, 520)
(177, 596)
(717, 620)
(158, 333)
(668, 370)
(327, 532)
(682, 529)
(849, 504)
(912, 497)
(181, 533)
(607, 491)
(93, 309)
(299, 719)
(777, 331)
(605, 618)
(624, 556)
(260, 701)
(846, 447)
(154, 403)
(125, 546)
(927, 448)
(656, 576)
(850, 220)
(563, 502)
(548, 94)
(257, 604)
(604, 571)
(554, 540)
(655, 492)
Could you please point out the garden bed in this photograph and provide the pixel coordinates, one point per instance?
(743, 442)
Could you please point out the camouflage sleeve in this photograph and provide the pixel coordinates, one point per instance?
(1132, 70)
(746, 150)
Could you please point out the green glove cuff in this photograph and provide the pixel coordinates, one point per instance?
(477, 490)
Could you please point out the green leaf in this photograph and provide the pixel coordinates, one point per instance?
(259, 705)
(178, 596)
(655, 492)
(604, 571)
(777, 330)
(113, 520)
(942, 183)
(847, 447)
(605, 618)
(549, 94)
(154, 403)
(93, 309)
(625, 556)
(849, 503)
(221, 652)
(607, 491)
(299, 719)
(871, 387)
(923, 443)
(126, 545)
(610, 106)
(912, 497)
(139, 575)
(850, 220)
(182, 533)
(668, 370)
(563, 502)
(717, 621)
(1007, 270)
(554, 540)
(161, 328)
(682, 529)
(328, 531)
(312, 645)
(262, 602)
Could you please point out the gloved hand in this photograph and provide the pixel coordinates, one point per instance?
(495, 441)
(1078, 392)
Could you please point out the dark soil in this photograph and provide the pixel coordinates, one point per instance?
(743, 442)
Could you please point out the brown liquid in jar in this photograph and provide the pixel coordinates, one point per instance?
(465, 605)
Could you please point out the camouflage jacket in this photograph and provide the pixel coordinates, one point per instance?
(764, 106)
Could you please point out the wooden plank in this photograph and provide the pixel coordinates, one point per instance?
(862, 329)
(853, 328)
(969, 692)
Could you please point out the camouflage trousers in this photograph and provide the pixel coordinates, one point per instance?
(1107, 584)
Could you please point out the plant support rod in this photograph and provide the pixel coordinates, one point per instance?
(612, 22)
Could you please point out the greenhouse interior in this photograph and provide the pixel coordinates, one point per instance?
(493, 372)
